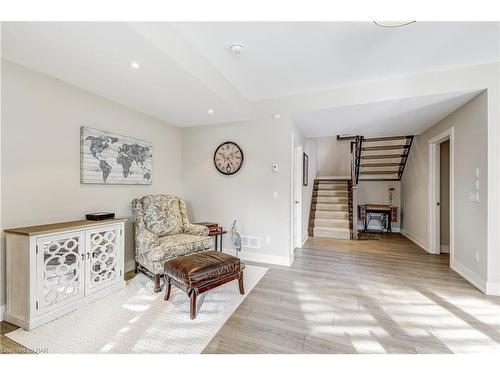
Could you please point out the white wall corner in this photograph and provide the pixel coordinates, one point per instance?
(470, 276)
(414, 239)
(2, 313)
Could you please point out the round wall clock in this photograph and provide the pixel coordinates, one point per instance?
(228, 158)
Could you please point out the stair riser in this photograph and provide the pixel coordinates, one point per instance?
(332, 207)
(331, 215)
(332, 193)
(332, 188)
(332, 234)
(322, 199)
(332, 223)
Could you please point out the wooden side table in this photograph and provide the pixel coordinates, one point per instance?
(215, 231)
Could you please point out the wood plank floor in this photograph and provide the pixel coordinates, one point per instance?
(382, 294)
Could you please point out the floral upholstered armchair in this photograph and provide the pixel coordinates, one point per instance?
(163, 232)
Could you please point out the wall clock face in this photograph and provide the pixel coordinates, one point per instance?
(228, 158)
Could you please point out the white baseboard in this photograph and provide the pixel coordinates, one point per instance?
(493, 289)
(262, 258)
(444, 248)
(470, 276)
(414, 239)
(129, 265)
(2, 313)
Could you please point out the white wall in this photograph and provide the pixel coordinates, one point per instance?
(470, 219)
(334, 157)
(41, 119)
(377, 192)
(246, 196)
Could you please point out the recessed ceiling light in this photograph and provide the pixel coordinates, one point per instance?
(210, 111)
(135, 65)
(392, 23)
(236, 49)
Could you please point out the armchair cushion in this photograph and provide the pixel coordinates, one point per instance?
(178, 245)
(195, 229)
(162, 214)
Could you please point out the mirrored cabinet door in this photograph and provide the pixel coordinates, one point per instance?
(59, 270)
(104, 266)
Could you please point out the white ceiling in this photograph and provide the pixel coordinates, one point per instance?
(410, 116)
(96, 56)
(186, 68)
(289, 58)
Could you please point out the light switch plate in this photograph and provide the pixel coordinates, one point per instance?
(275, 195)
(275, 167)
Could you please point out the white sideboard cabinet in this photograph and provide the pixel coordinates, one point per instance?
(54, 269)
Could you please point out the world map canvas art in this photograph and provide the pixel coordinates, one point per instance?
(108, 158)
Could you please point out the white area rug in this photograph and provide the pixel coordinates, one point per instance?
(136, 320)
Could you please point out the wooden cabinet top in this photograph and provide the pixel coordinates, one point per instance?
(58, 227)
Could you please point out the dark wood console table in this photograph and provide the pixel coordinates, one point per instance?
(385, 214)
(214, 230)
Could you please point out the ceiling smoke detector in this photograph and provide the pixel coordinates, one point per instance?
(236, 49)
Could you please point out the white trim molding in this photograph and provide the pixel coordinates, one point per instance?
(434, 242)
(305, 239)
(470, 276)
(414, 239)
(2, 313)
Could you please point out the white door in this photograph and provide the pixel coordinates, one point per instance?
(297, 194)
(60, 276)
(104, 258)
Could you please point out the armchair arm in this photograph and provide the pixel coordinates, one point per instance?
(195, 229)
(145, 241)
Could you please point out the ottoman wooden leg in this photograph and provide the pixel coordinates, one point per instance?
(240, 283)
(157, 283)
(192, 296)
(167, 291)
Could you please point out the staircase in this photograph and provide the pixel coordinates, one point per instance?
(329, 215)
(334, 202)
(382, 159)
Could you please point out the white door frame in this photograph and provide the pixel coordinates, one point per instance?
(434, 166)
(297, 197)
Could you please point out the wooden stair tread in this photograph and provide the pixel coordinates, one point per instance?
(378, 172)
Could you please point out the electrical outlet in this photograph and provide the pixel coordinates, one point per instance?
(477, 256)
(267, 240)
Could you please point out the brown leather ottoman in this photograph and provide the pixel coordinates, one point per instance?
(201, 272)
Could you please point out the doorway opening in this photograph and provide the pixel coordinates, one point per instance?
(441, 190)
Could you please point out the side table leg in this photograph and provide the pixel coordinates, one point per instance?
(215, 238)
